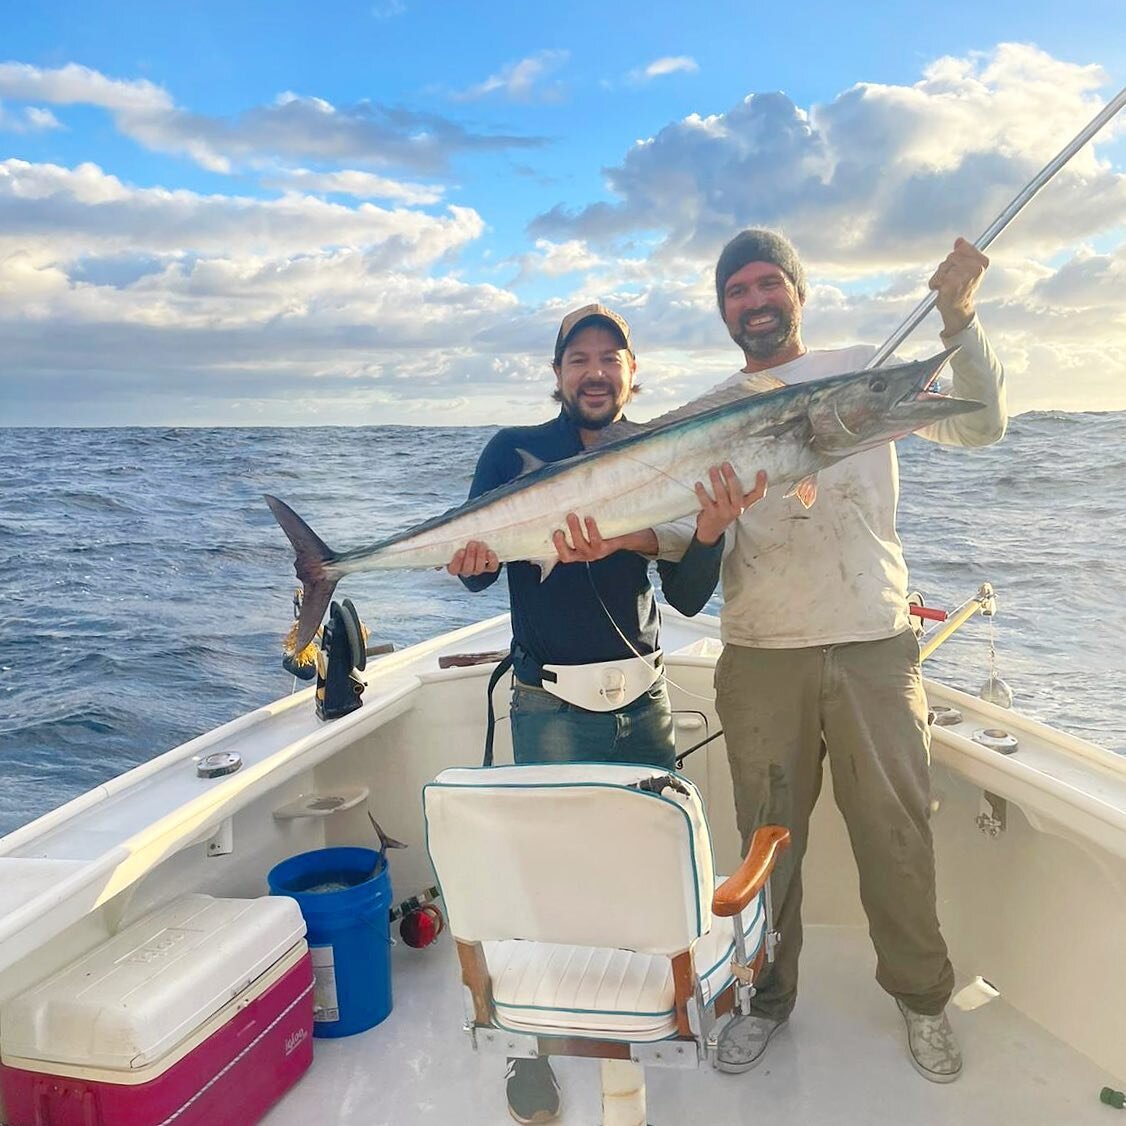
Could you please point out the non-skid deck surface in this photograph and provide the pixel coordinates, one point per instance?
(841, 1061)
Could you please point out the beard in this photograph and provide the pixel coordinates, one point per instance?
(763, 345)
(592, 419)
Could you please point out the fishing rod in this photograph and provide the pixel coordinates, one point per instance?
(915, 317)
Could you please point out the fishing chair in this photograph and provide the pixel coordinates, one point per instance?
(588, 918)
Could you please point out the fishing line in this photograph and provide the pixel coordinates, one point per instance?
(661, 472)
(630, 646)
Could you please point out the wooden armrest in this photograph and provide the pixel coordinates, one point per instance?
(475, 975)
(738, 890)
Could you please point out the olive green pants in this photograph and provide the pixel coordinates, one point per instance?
(862, 703)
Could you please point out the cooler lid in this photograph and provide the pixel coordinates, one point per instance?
(134, 998)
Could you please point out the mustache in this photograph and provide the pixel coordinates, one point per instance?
(750, 314)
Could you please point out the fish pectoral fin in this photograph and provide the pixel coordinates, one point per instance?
(805, 490)
(529, 463)
(546, 566)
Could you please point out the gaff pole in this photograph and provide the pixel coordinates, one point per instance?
(916, 316)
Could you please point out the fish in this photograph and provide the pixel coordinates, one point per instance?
(385, 842)
(642, 474)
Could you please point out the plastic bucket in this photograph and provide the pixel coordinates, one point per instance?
(345, 896)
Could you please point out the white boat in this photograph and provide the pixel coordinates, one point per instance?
(1031, 852)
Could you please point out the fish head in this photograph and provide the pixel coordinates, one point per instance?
(848, 413)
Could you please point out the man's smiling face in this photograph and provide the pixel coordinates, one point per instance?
(595, 377)
(762, 311)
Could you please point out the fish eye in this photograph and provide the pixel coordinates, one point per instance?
(877, 384)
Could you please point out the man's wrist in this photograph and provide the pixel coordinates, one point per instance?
(643, 542)
(956, 322)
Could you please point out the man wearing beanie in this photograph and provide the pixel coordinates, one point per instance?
(820, 658)
(595, 612)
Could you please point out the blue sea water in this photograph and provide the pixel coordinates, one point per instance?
(144, 586)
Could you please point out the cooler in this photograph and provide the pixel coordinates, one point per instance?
(199, 1014)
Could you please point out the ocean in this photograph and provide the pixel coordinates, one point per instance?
(145, 588)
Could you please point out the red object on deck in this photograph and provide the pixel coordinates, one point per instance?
(927, 612)
(198, 1014)
(231, 1079)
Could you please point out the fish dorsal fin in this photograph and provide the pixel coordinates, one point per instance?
(616, 431)
(529, 463)
(805, 490)
(753, 383)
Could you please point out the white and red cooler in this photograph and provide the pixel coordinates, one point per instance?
(199, 1014)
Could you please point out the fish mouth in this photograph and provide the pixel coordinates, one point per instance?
(924, 400)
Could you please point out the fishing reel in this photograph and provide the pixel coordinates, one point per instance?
(342, 653)
(422, 921)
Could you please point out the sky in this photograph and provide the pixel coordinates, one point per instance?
(252, 214)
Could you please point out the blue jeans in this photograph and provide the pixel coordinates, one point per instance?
(547, 729)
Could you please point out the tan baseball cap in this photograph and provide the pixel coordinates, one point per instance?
(577, 319)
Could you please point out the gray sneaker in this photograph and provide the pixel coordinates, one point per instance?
(932, 1045)
(742, 1042)
(533, 1093)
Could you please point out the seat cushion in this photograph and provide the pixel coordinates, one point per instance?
(555, 990)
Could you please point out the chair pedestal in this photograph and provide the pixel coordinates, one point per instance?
(623, 1093)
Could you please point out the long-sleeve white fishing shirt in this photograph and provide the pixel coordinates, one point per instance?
(834, 573)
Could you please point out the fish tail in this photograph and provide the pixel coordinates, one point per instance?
(312, 555)
(385, 841)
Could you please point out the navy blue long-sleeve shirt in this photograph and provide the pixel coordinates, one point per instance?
(561, 621)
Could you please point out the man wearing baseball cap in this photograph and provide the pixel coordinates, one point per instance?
(593, 621)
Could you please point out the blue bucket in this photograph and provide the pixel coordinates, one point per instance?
(345, 896)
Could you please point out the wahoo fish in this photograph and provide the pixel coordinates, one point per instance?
(639, 475)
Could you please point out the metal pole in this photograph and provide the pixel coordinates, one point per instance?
(914, 319)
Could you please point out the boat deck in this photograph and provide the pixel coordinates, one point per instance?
(840, 1061)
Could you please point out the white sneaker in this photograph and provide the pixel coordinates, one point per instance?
(932, 1045)
(742, 1042)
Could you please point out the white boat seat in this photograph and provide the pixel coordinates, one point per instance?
(581, 898)
(555, 990)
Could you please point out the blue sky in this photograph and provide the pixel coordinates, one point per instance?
(250, 214)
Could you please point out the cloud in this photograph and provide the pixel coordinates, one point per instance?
(361, 185)
(149, 305)
(661, 68)
(79, 85)
(31, 119)
(293, 129)
(521, 81)
(63, 213)
(553, 260)
(872, 180)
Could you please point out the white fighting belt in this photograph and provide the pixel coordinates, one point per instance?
(604, 686)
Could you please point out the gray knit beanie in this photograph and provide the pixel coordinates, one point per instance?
(758, 245)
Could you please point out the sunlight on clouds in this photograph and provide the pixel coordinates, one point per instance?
(553, 260)
(361, 185)
(73, 84)
(318, 299)
(86, 211)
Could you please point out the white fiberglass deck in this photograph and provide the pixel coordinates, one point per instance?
(840, 1062)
